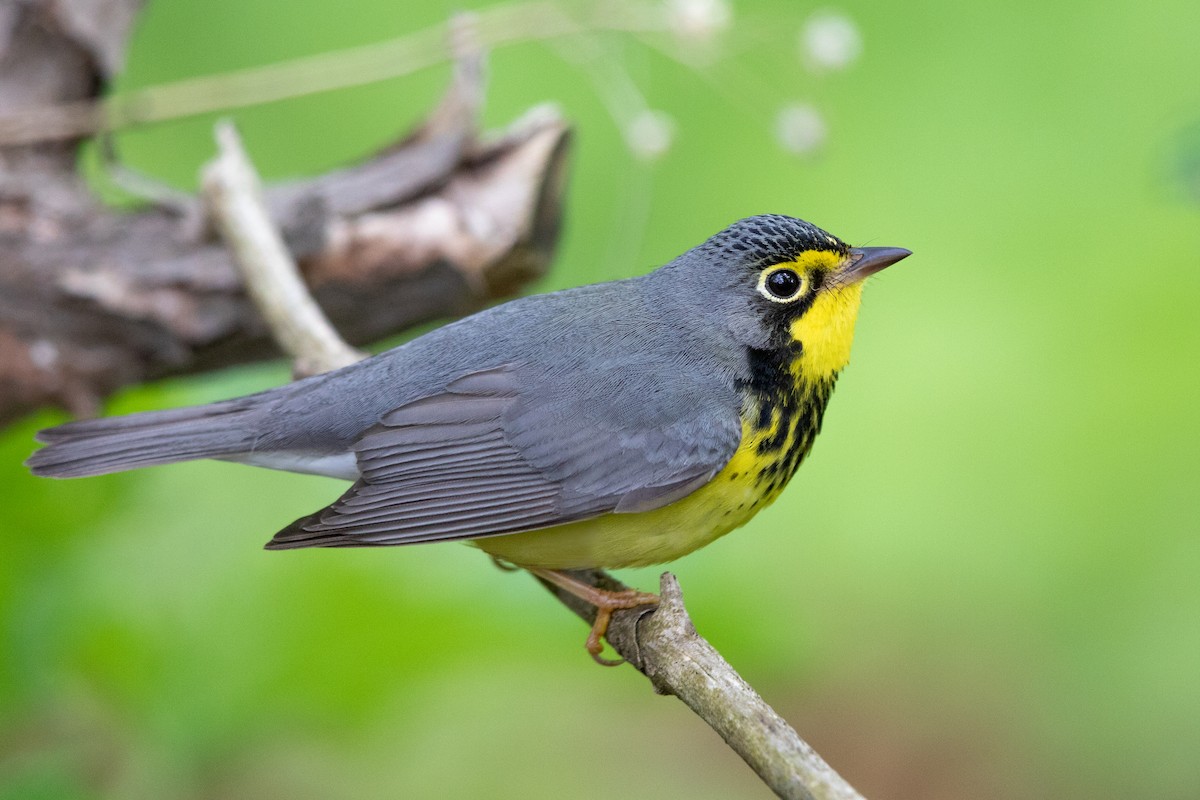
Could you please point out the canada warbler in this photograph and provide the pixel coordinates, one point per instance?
(621, 424)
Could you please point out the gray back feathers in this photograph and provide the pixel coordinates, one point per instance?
(617, 397)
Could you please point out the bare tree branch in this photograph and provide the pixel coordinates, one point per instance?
(299, 326)
(437, 225)
(503, 24)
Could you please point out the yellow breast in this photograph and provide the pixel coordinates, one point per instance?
(781, 415)
(762, 465)
(726, 502)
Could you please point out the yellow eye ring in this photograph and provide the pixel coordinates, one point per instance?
(781, 284)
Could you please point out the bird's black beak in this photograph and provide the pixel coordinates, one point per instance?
(866, 261)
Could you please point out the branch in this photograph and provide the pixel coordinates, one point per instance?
(505, 24)
(438, 224)
(663, 645)
(302, 330)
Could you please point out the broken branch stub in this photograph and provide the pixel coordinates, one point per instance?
(91, 300)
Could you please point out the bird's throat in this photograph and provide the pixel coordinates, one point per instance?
(782, 411)
(825, 332)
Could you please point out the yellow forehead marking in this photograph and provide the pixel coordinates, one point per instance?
(813, 259)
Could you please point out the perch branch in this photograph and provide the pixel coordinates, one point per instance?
(663, 645)
(235, 197)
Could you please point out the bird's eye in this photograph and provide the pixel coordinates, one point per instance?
(780, 284)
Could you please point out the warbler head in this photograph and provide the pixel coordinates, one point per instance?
(780, 283)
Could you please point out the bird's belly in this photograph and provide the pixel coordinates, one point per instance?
(726, 502)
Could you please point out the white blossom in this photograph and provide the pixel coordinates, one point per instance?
(649, 134)
(800, 128)
(698, 20)
(830, 40)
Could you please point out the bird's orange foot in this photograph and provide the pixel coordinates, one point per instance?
(605, 601)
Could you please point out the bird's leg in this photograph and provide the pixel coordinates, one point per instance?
(605, 601)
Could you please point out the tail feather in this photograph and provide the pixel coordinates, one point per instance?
(112, 444)
(101, 426)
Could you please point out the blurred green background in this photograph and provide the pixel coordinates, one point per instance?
(985, 582)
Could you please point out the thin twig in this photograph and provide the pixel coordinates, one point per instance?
(663, 644)
(323, 72)
(234, 192)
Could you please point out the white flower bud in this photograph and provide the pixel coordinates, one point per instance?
(800, 128)
(830, 40)
(649, 134)
(698, 20)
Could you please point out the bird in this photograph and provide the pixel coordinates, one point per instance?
(620, 424)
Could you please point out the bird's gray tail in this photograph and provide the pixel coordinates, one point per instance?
(112, 444)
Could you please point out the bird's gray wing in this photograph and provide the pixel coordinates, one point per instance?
(494, 453)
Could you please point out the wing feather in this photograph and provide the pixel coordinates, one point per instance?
(482, 458)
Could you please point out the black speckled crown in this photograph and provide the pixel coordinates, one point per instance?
(772, 238)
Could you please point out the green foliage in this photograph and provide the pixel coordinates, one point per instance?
(983, 583)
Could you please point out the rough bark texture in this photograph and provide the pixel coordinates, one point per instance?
(437, 225)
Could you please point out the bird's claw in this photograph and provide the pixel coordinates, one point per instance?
(605, 601)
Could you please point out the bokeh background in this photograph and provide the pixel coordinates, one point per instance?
(984, 583)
